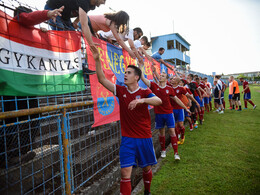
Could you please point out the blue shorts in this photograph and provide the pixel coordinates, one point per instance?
(186, 114)
(206, 100)
(162, 119)
(201, 103)
(136, 151)
(209, 98)
(178, 115)
(230, 96)
(247, 96)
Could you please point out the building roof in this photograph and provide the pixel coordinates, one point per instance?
(177, 34)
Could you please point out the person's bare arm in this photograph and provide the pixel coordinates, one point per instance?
(225, 88)
(153, 101)
(193, 99)
(83, 18)
(155, 73)
(120, 41)
(245, 89)
(179, 102)
(132, 46)
(167, 65)
(142, 50)
(100, 74)
(199, 93)
(145, 80)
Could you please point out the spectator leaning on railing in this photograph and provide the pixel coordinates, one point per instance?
(29, 18)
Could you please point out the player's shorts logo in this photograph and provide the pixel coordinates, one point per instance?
(105, 104)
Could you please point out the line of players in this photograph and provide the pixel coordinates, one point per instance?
(182, 98)
(136, 144)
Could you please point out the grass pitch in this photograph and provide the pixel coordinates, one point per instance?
(222, 156)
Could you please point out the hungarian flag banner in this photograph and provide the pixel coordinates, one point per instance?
(114, 62)
(36, 63)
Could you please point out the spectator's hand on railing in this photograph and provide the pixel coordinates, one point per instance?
(52, 14)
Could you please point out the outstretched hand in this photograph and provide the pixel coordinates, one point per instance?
(188, 111)
(132, 55)
(95, 52)
(52, 14)
(134, 103)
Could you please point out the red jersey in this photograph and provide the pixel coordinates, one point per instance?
(245, 83)
(203, 86)
(223, 85)
(164, 93)
(197, 86)
(179, 92)
(188, 90)
(135, 123)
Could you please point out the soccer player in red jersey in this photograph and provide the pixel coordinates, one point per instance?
(200, 92)
(247, 93)
(206, 98)
(163, 112)
(203, 94)
(177, 110)
(136, 143)
(187, 103)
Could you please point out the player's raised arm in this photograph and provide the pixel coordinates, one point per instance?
(145, 80)
(100, 74)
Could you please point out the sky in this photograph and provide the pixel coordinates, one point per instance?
(224, 34)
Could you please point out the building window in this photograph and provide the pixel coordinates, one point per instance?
(170, 44)
(178, 45)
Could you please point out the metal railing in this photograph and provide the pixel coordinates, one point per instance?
(57, 152)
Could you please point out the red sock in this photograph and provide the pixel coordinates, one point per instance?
(191, 126)
(125, 186)
(177, 132)
(182, 129)
(147, 178)
(201, 114)
(162, 142)
(250, 101)
(207, 108)
(174, 144)
(245, 104)
(224, 104)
